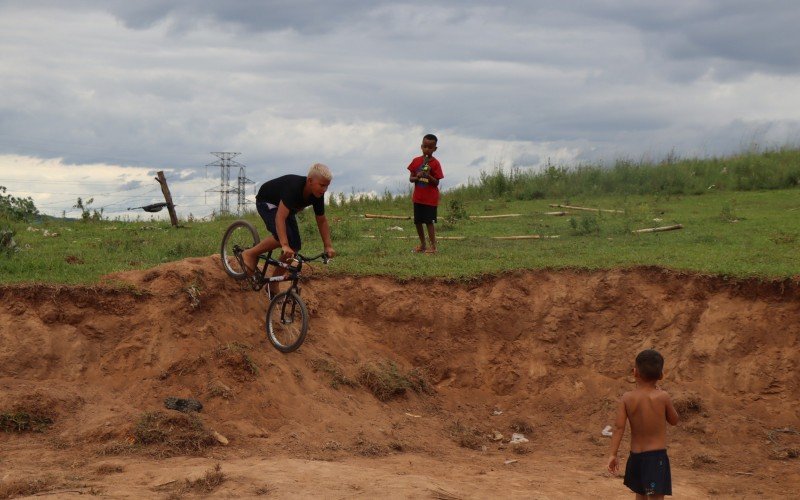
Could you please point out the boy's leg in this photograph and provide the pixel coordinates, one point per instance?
(293, 235)
(432, 236)
(250, 255)
(421, 234)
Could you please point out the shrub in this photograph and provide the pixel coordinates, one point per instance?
(13, 208)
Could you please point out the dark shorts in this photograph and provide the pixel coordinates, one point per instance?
(292, 231)
(424, 214)
(647, 473)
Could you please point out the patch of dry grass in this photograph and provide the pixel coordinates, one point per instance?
(386, 381)
(236, 358)
(26, 487)
(172, 434)
(466, 436)
(203, 486)
(334, 371)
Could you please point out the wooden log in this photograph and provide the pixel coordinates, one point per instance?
(525, 237)
(556, 213)
(372, 236)
(588, 209)
(499, 216)
(658, 229)
(379, 216)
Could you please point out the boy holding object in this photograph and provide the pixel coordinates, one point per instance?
(426, 172)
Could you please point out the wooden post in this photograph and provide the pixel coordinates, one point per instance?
(167, 197)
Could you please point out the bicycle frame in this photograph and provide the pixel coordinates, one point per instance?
(292, 272)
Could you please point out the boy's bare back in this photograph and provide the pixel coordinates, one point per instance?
(648, 409)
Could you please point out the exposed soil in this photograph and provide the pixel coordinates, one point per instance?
(542, 353)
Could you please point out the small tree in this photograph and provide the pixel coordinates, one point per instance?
(88, 214)
(14, 208)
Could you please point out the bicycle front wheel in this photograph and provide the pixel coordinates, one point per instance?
(287, 321)
(240, 234)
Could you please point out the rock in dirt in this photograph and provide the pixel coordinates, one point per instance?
(518, 438)
(183, 404)
(220, 438)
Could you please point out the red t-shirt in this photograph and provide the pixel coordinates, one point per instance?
(426, 193)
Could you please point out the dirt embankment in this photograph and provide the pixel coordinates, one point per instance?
(542, 353)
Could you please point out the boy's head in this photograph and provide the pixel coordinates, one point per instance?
(650, 365)
(429, 144)
(319, 178)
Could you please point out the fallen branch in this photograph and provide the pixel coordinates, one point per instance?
(379, 216)
(658, 229)
(412, 237)
(589, 209)
(499, 216)
(556, 213)
(524, 237)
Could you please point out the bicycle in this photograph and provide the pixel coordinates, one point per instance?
(287, 314)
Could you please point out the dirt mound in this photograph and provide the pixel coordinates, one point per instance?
(464, 365)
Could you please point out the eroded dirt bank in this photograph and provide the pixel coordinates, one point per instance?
(542, 353)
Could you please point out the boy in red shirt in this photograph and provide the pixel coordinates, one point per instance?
(425, 174)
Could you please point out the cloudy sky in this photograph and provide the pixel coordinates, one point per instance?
(96, 96)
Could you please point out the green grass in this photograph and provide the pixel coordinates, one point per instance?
(741, 217)
(728, 233)
(735, 233)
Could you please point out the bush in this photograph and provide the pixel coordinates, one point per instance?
(13, 208)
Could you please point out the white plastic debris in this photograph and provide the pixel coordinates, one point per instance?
(518, 438)
(394, 228)
(607, 432)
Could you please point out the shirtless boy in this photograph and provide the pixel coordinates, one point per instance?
(648, 409)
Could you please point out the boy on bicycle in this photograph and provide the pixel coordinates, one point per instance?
(277, 202)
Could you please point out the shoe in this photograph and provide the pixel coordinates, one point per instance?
(419, 249)
(183, 404)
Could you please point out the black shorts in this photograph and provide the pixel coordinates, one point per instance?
(648, 473)
(292, 231)
(424, 214)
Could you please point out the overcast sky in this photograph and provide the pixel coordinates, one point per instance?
(96, 96)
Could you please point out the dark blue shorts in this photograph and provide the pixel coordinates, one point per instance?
(292, 231)
(424, 214)
(648, 473)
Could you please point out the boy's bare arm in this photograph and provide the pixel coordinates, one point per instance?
(672, 414)
(616, 437)
(325, 233)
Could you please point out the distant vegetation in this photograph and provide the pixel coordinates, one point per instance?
(15, 209)
(740, 218)
(750, 171)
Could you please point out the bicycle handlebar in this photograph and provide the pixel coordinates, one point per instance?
(323, 256)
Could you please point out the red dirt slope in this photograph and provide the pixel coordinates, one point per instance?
(545, 353)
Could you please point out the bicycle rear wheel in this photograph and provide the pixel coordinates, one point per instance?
(287, 321)
(241, 234)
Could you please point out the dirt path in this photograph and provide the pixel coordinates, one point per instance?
(544, 354)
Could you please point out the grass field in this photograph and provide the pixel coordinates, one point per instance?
(735, 233)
